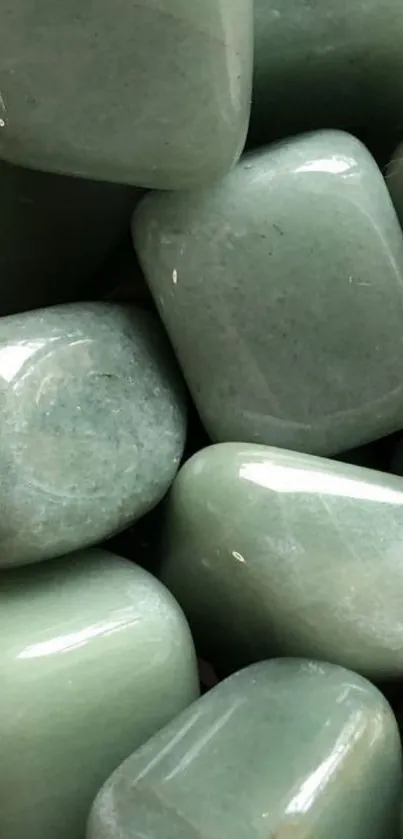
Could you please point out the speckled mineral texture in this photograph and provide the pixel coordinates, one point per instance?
(282, 290)
(283, 749)
(271, 552)
(92, 426)
(154, 93)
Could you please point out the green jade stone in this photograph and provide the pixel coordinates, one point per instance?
(95, 657)
(154, 93)
(321, 63)
(281, 288)
(283, 749)
(55, 233)
(270, 552)
(92, 426)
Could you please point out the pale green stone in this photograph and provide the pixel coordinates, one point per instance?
(154, 92)
(321, 63)
(92, 426)
(284, 749)
(270, 553)
(55, 233)
(95, 657)
(282, 290)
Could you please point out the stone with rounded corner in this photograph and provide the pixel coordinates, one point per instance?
(92, 428)
(271, 552)
(96, 656)
(282, 290)
(154, 93)
(282, 749)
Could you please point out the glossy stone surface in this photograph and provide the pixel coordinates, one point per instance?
(270, 552)
(95, 657)
(55, 233)
(337, 63)
(92, 426)
(154, 93)
(282, 290)
(282, 749)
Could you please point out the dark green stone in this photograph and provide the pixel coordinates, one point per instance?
(271, 552)
(154, 92)
(284, 749)
(92, 426)
(281, 288)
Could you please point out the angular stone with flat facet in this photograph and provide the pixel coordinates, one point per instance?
(282, 290)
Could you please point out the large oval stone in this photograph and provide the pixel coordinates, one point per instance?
(92, 426)
(283, 749)
(95, 657)
(154, 93)
(282, 290)
(55, 233)
(338, 63)
(271, 552)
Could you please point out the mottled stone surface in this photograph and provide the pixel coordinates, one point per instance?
(282, 290)
(321, 63)
(154, 93)
(283, 749)
(95, 657)
(55, 232)
(271, 552)
(92, 426)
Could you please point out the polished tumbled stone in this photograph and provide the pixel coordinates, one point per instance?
(323, 63)
(55, 232)
(282, 290)
(270, 552)
(92, 426)
(154, 93)
(283, 749)
(95, 657)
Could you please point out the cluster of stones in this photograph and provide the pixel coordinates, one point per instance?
(201, 334)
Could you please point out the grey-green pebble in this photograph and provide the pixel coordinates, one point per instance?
(283, 749)
(95, 657)
(154, 93)
(324, 63)
(92, 426)
(282, 290)
(55, 233)
(271, 552)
